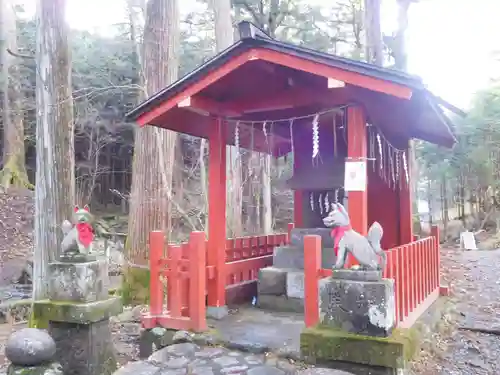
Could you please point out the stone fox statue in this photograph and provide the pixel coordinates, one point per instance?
(78, 234)
(366, 250)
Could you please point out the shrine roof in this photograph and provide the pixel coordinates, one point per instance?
(252, 38)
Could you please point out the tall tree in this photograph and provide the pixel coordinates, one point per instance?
(55, 153)
(154, 148)
(373, 31)
(224, 37)
(14, 169)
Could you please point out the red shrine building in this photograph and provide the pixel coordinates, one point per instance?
(339, 118)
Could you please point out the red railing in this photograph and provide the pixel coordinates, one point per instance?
(245, 256)
(182, 274)
(414, 268)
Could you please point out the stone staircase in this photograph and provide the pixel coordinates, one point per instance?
(281, 286)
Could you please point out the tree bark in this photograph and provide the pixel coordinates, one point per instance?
(14, 168)
(373, 32)
(55, 153)
(154, 148)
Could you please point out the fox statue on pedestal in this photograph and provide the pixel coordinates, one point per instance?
(366, 250)
(78, 234)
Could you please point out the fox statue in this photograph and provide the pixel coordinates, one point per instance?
(78, 234)
(366, 250)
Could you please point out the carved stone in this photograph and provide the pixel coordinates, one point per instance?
(84, 349)
(361, 307)
(78, 282)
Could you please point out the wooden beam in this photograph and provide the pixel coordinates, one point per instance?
(356, 79)
(206, 106)
(335, 83)
(291, 98)
(196, 87)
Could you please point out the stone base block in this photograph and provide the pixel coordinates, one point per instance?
(77, 313)
(361, 307)
(280, 303)
(324, 345)
(293, 257)
(84, 349)
(357, 275)
(272, 281)
(298, 235)
(78, 282)
(295, 284)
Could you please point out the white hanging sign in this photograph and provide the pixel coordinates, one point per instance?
(355, 176)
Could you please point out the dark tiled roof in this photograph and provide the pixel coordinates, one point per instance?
(251, 37)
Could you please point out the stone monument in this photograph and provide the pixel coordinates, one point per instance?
(78, 309)
(358, 301)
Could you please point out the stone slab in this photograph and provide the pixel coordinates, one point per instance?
(295, 284)
(298, 235)
(78, 313)
(84, 349)
(358, 275)
(280, 303)
(78, 282)
(272, 281)
(293, 257)
(361, 307)
(324, 344)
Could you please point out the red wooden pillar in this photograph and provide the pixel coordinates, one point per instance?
(356, 150)
(217, 212)
(405, 204)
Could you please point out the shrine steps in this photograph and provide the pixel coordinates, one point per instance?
(281, 286)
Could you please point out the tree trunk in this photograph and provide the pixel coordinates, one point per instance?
(14, 168)
(401, 63)
(154, 148)
(373, 32)
(224, 37)
(55, 152)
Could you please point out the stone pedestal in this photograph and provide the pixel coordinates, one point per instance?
(359, 302)
(281, 287)
(78, 313)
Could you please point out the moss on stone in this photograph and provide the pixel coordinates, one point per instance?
(323, 343)
(73, 312)
(135, 286)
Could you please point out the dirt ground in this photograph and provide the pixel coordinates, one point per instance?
(457, 349)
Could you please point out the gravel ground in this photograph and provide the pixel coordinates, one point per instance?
(475, 294)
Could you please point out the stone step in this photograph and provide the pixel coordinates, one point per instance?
(283, 289)
(299, 233)
(291, 256)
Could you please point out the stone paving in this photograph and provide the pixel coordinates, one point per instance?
(189, 358)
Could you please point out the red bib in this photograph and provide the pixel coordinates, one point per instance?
(85, 233)
(337, 234)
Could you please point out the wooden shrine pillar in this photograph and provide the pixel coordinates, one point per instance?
(217, 212)
(405, 204)
(356, 150)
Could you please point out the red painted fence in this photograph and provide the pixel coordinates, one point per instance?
(414, 268)
(181, 272)
(177, 275)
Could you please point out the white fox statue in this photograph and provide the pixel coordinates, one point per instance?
(78, 234)
(366, 250)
